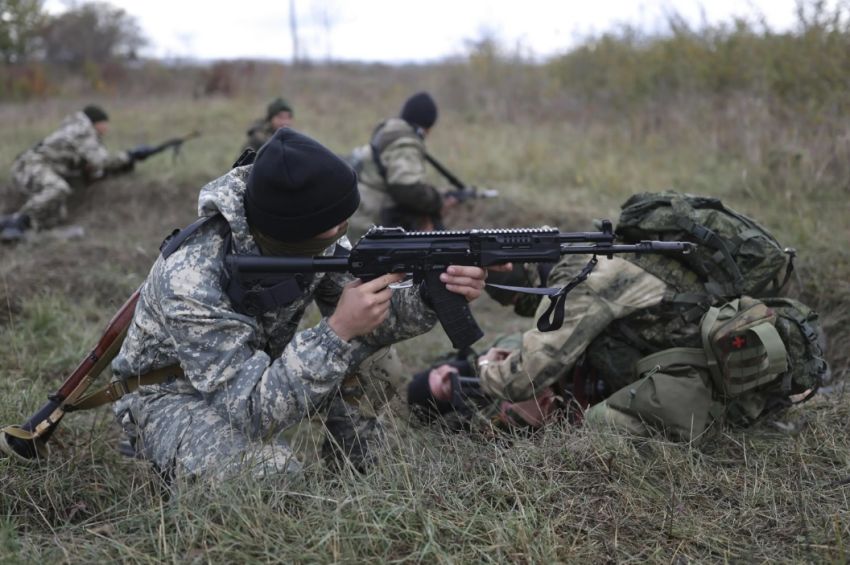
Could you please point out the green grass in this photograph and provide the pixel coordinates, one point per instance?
(566, 495)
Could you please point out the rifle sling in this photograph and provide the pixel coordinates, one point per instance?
(120, 387)
(448, 175)
(553, 317)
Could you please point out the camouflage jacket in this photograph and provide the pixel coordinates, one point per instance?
(260, 132)
(75, 150)
(402, 154)
(260, 373)
(616, 289)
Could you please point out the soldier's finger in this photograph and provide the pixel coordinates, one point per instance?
(503, 268)
(382, 282)
(467, 291)
(466, 271)
(383, 296)
(462, 281)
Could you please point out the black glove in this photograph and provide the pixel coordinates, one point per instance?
(141, 152)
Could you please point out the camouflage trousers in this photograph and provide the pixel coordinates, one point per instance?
(182, 435)
(45, 191)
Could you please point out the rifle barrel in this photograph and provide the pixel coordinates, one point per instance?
(642, 247)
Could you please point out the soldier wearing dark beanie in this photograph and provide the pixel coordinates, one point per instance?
(95, 114)
(392, 172)
(298, 188)
(420, 110)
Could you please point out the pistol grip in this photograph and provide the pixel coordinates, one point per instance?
(453, 313)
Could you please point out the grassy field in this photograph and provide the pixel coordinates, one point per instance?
(774, 493)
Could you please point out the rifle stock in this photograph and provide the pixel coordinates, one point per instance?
(28, 440)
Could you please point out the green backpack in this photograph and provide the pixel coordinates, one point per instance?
(735, 255)
(756, 356)
(768, 347)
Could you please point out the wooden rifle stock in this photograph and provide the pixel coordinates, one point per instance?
(28, 440)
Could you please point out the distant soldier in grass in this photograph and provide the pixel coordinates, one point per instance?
(237, 370)
(44, 173)
(392, 172)
(279, 114)
(655, 343)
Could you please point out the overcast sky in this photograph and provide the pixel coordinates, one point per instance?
(399, 31)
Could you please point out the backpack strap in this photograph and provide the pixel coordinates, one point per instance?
(711, 362)
(684, 215)
(173, 242)
(378, 143)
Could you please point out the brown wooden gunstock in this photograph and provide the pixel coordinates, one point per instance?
(28, 441)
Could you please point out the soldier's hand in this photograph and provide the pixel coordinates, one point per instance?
(494, 355)
(449, 202)
(363, 306)
(466, 281)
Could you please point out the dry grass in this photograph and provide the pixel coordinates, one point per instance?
(565, 495)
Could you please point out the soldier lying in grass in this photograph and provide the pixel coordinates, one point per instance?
(656, 343)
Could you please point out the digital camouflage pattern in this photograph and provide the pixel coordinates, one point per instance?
(754, 253)
(403, 196)
(261, 131)
(248, 378)
(42, 173)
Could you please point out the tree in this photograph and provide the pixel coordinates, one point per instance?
(93, 32)
(21, 24)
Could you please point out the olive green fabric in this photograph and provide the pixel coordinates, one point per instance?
(801, 332)
(678, 401)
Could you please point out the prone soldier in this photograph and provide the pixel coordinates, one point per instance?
(652, 342)
(44, 174)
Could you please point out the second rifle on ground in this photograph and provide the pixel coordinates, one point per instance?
(142, 152)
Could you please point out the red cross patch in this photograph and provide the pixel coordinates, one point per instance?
(739, 341)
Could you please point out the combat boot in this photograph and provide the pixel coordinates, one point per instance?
(14, 227)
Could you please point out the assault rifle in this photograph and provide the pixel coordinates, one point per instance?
(142, 152)
(427, 254)
(462, 192)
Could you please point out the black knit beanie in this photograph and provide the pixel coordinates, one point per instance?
(298, 188)
(95, 114)
(420, 110)
(277, 106)
(419, 394)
